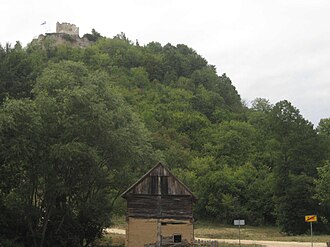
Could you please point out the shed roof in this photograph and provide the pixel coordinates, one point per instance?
(159, 170)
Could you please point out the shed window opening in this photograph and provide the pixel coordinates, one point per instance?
(164, 185)
(177, 238)
(153, 185)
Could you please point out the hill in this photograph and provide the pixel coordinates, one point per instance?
(79, 123)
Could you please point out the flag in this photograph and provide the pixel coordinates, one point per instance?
(43, 23)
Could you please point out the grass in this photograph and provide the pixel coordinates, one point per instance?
(118, 222)
(214, 230)
(111, 240)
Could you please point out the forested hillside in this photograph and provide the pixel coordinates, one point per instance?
(79, 125)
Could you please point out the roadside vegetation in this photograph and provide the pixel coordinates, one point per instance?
(111, 240)
(271, 233)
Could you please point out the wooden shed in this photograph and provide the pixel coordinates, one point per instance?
(159, 211)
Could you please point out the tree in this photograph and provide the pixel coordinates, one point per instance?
(322, 184)
(322, 194)
(139, 78)
(261, 105)
(181, 60)
(208, 102)
(69, 147)
(229, 93)
(299, 153)
(324, 127)
(231, 142)
(94, 36)
(323, 130)
(16, 73)
(228, 193)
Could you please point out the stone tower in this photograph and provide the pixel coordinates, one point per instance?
(67, 28)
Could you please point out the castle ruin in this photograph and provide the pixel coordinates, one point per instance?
(67, 28)
(66, 33)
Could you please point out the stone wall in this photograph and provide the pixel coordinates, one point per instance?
(55, 39)
(67, 28)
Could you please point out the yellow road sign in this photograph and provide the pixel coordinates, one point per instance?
(310, 218)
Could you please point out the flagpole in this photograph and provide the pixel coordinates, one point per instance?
(44, 27)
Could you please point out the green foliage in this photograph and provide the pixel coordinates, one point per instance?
(261, 105)
(322, 184)
(63, 149)
(79, 125)
(231, 142)
(94, 36)
(322, 191)
(68, 37)
(293, 203)
(324, 127)
(16, 72)
(299, 155)
(227, 193)
(323, 130)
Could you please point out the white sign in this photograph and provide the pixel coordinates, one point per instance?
(239, 222)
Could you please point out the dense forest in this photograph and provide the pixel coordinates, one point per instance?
(79, 125)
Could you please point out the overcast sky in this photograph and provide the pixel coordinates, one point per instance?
(274, 49)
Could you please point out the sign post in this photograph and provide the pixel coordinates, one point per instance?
(239, 223)
(311, 219)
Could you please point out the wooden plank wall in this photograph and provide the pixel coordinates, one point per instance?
(147, 206)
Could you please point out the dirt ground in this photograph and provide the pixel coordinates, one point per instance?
(234, 241)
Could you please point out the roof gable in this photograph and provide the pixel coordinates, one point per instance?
(158, 181)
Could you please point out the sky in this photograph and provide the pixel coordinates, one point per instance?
(270, 49)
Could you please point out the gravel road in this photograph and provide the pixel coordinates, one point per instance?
(269, 243)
